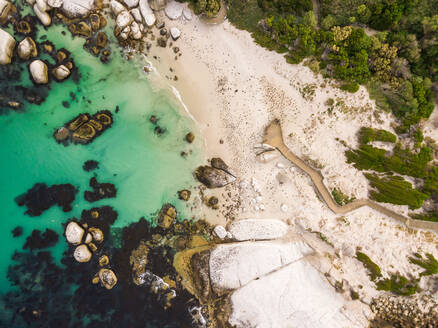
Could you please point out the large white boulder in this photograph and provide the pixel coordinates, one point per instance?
(137, 15)
(74, 233)
(117, 7)
(82, 253)
(257, 229)
(175, 33)
(42, 5)
(234, 265)
(43, 16)
(135, 31)
(131, 3)
(124, 19)
(147, 13)
(174, 10)
(77, 8)
(39, 72)
(27, 49)
(297, 295)
(5, 8)
(7, 45)
(55, 3)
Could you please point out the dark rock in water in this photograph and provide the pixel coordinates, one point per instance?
(190, 137)
(100, 217)
(17, 232)
(167, 216)
(84, 128)
(153, 119)
(90, 165)
(41, 197)
(159, 130)
(100, 191)
(184, 194)
(37, 240)
(66, 104)
(212, 177)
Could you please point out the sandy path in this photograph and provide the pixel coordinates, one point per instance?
(274, 137)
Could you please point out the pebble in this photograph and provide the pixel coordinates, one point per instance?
(283, 208)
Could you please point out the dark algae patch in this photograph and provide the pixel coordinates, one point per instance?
(90, 165)
(38, 240)
(100, 191)
(41, 197)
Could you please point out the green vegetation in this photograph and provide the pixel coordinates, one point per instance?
(398, 65)
(209, 8)
(429, 264)
(341, 198)
(373, 269)
(367, 135)
(428, 216)
(397, 284)
(395, 190)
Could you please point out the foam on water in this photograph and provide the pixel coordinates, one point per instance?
(147, 169)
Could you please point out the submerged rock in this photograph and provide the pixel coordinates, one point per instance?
(40, 198)
(74, 233)
(190, 137)
(82, 254)
(90, 165)
(100, 191)
(184, 194)
(17, 232)
(39, 72)
(37, 240)
(7, 45)
(108, 278)
(27, 49)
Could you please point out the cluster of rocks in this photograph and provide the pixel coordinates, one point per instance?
(405, 312)
(216, 175)
(84, 128)
(100, 191)
(88, 236)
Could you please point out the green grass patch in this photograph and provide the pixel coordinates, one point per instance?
(399, 285)
(367, 135)
(428, 263)
(374, 271)
(245, 14)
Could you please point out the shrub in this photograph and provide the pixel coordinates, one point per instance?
(367, 135)
(398, 285)
(429, 264)
(350, 87)
(374, 271)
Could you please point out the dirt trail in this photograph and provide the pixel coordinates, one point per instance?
(274, 137)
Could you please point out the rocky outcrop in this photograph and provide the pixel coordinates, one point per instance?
(74, 233)
(184, 194)
(215, 176)
(100, 191)
(61, 72)
(7, 45)
(39, 72)
(167, 216)
(147, 13)
(174, 10)
(39, 9)
(5, 9)
(27, 49)
(84, 128)
(257, 229)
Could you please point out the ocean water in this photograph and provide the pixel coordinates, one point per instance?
(146, 169)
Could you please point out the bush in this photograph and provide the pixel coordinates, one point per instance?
(398, 285)
(350, 87)
(374, 271)
(429, 264)
(341, 198)
(367, 135)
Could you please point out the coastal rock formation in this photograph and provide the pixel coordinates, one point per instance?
(257, 229)
(167, 216)
(7, 45)
(84, 128)
(77, 8)
(184, 194)
(82, 254)
(157, 4)
(40, 198)
(61, 72)
(5, 9)
(39, 9)
(74, 233)
(131, 3)
(39, 72)
(27, 49)
(215, 176)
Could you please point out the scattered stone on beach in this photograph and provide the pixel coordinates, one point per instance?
(167, 216)
(74, 233)
(212, 202)
(27, 49)
(187, 13)
(184, 194)
(61, 72)
(41, 197)
(108, 278)
(84, 128)
(162, 41)
(220, 232)
(7, 45)
(82, 254)
(219, 164)
(190, 137)
(17, 231)
(174, 10)
(175, 33)
(38, 240)
(100, 191)
(283, 208)
(39, 72)
(147, 13)
(214, 177)
(90, 165)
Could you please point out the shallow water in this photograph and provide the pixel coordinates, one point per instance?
(147, 169)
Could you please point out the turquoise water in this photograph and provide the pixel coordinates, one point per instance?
(147, 169)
